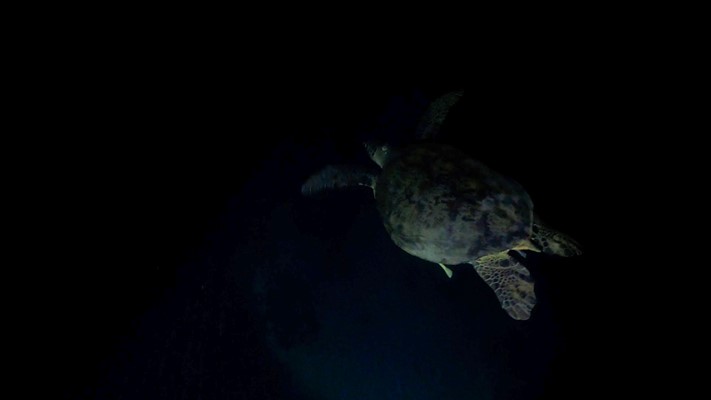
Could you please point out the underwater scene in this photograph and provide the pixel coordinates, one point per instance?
(364, 242)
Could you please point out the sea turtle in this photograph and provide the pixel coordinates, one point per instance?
(441, 205)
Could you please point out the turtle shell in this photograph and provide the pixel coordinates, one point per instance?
(443, 206)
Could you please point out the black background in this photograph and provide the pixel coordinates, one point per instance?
(162, 167)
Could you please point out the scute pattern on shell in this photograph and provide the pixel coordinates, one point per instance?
(443, 206)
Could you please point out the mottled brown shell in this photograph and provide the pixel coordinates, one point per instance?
(441, 205)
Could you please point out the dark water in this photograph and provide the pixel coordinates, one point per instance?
(211, 277)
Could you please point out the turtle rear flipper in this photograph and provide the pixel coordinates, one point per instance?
(511, 282)
(554, 242)
(338, 176)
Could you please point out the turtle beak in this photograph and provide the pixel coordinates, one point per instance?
(369, 148)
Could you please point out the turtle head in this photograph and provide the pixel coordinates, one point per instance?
(378, 151)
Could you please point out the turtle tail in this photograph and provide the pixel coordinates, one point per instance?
(554, 242)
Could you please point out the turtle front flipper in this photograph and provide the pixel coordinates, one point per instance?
(338, 176)
(435, 115)
(511, 282)
(554, 242)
